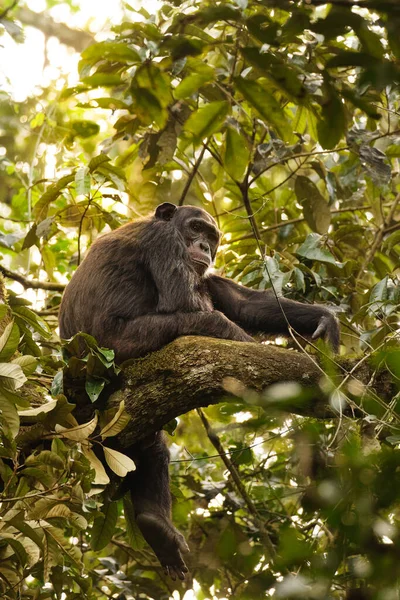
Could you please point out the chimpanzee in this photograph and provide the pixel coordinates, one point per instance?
(143, 285)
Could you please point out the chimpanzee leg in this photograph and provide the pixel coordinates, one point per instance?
(151, 498)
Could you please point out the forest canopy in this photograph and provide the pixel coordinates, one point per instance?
(281, 118)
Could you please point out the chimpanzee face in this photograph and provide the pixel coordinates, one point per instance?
(198, 229)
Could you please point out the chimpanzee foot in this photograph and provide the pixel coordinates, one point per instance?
(166, 541)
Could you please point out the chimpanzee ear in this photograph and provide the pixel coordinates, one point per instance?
(165, 211)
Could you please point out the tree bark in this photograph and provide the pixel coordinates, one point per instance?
(194, 372)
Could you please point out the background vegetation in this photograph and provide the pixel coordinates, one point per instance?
(281, 118)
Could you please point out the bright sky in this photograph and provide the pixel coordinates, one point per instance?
(25, 66)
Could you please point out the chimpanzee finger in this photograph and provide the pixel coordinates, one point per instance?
(321, 329)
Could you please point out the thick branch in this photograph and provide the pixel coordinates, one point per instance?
(194, 372)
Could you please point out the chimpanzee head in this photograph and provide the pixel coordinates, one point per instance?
(198, 229)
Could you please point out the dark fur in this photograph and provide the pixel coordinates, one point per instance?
(139, 288)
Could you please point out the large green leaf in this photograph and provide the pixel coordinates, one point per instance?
(207, 120)
(104, 527)
(237, 154)
(315, 208)
(332, 124)
(312, 249)
(266, 105)
(111, 51)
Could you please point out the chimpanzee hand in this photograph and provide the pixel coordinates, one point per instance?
(328, 328)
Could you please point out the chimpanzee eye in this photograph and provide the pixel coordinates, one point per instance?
(196, 226)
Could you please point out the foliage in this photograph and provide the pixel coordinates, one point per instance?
(281, 118)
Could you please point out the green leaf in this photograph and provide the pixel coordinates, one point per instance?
(315, 208)
(27, 363)
(104, 527)
(135, 537)
(52, 193)
(207, 120)
(265, 104)
(84, 128)
(82, 182)
(379, 292)
(9, 341)
(46, 457)
(9, 416)
(237, 154)
(33, 320)
(97, 161)
(285, 78)
(94, 387)
(191, 84)
(102, 80)
(311, 249)
(111, 51)
(332, 124)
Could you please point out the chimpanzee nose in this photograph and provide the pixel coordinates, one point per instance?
(205, 247)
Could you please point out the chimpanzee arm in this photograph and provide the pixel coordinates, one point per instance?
(260, 311)
(148, 333)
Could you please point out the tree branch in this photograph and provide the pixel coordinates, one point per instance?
(194, 372)
(32, 283)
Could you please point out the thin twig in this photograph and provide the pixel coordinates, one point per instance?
(214, 439)
(192, 175)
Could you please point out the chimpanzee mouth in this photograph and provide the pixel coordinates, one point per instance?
(202, 260)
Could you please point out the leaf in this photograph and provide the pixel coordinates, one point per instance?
(84, 128)
(27, 363)
(332, 124)
(111, 51)
(102, 80)
(117, 423)
(135, 537)
(101, 477)
(9, 341)
(9, 416)
(79, 433)
(207, 120)
(315, 208)
(19, 522)
(18, 548)
(97, 161)
(118, 462)
(311, 249)
(52, 193)
(82, 182)
(44, 408)
(237, 154)
(11, 376)
(379, 292)
(191, 84)
(94, 387)
(31, 238)
(104, 527)
(287, 79)
(46, 457)
(266, 105)
(32, 320)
